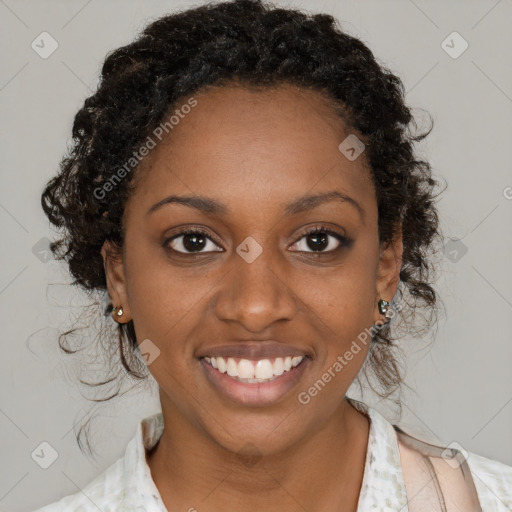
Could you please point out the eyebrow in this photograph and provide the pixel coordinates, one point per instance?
(297, 205)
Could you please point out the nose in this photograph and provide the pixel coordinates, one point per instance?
(256, 294)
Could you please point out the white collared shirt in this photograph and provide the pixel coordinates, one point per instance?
(127, 484)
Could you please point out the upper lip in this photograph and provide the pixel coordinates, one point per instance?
(254, 350)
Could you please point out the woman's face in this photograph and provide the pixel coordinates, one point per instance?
(252, 285)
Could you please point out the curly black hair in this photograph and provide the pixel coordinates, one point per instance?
(255, 44)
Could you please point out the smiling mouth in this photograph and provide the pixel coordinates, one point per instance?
(258, 371)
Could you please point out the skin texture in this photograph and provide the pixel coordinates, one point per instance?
(254, 150)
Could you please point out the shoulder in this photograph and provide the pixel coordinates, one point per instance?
(125, 484)
(488, 481)
(493, 482)
(105, 493)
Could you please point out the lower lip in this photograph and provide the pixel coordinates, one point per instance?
(255, 394)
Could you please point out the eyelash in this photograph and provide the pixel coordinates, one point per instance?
(343, 241)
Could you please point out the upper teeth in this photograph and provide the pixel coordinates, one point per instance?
(246, 369)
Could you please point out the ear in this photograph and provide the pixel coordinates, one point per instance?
(388, 271)
(116, 280)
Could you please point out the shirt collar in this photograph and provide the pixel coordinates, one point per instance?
(141, 493)
(382, 488)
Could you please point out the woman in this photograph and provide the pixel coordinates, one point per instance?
(244, 186)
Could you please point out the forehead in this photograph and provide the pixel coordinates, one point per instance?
(254, 144)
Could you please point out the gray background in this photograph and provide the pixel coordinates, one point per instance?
(462, 381)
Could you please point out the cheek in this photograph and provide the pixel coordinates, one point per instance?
(164, 299)
(346, 296)
(345, 304)
(168, 301)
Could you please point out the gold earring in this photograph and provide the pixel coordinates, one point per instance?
(117, 311)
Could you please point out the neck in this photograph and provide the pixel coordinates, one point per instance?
(321, 472)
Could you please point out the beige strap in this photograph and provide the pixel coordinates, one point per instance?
(436, 479)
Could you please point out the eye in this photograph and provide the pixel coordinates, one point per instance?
(191, 241)
(320, 239)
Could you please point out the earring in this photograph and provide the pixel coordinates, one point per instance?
(117, 311)
(384, 309)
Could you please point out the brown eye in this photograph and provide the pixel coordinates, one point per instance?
(191, 241)
(321, 240)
